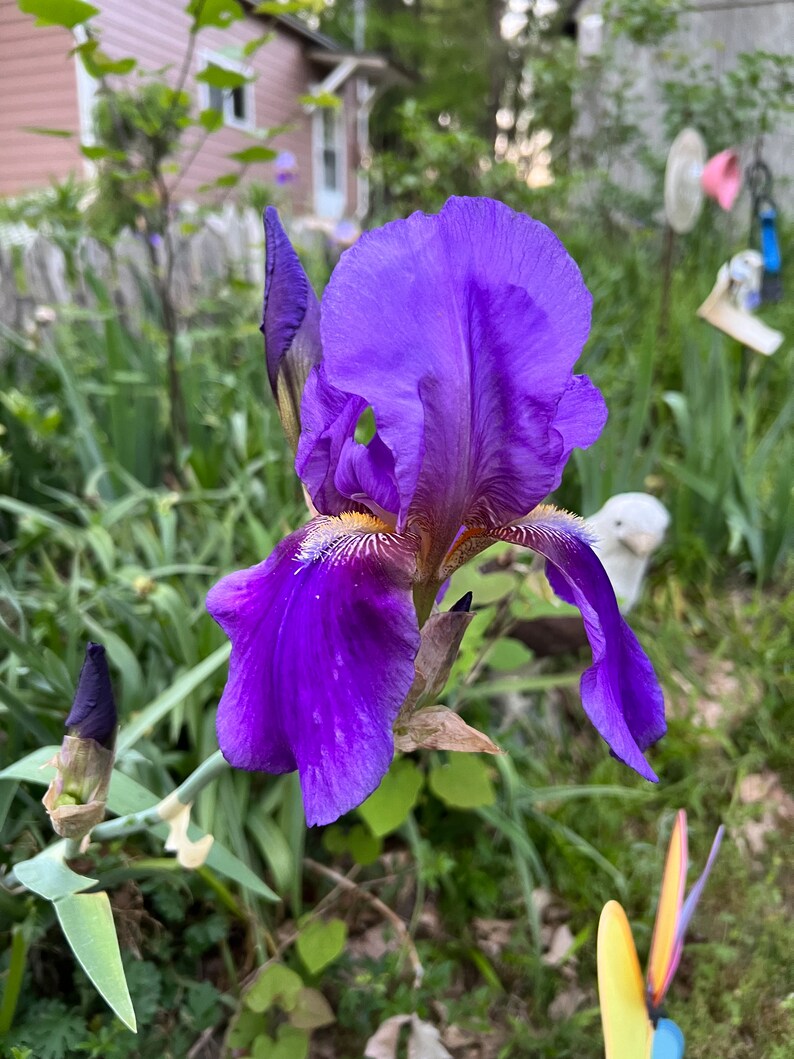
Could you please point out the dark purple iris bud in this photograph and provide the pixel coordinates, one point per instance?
(463, 605)
(93, 714)
(76, 797)
(456, 336)
(290, 325)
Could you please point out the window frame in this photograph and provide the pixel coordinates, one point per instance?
(230, 120)
(330, 203)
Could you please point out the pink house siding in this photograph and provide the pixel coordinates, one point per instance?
(156, 33)
(38, 86)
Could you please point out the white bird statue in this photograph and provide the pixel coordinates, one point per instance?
(628, 529)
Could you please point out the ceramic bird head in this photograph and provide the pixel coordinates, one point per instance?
(628, 530)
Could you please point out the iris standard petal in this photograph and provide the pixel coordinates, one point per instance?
(461, 330)
(290, 324)
(324, 637)
(620, 692)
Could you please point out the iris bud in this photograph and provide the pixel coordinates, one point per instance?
(290, 325)
(75, 800)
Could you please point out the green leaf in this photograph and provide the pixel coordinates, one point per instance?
(66, 13)
(485, 588)
(319, 944)
(508, 654)
(94, 152)
(311, 1011)
(43, 130)
(50, 878)
(127, 796)
(364, 847)
(171, 698)
(227, 180)
(254, 45)
(98, 64)
(389, 806)
(290, 1043)
(463, 783)
(321, 99)
(254, 154)
(87, 923)
(280, 7)
(276, 984)
(211, 119)
(32, 766)
(219, 13)
(220, 77)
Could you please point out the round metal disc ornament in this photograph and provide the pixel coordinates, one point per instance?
(683, 191)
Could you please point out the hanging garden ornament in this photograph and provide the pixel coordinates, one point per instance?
(689, 176)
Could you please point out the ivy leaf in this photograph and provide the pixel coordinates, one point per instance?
(276, 984)
(66, 13)
(508, 654)
(365, 848)
(388, 807)
(311, 1011)
(319, 944)
(463, 783)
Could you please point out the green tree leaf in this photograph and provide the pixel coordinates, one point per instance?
(254, 45)
(321, 943)
(219, 13)
(220, 77)
(66, 13)
(43, 130)
(256, 153)
(87, 923)
(390, 804)
(211, 119)
(463, 783)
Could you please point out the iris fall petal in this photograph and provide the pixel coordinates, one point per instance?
(324, 637)
(620, 692)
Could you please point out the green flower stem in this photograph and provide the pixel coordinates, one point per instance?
(207, 771)
(185, 794)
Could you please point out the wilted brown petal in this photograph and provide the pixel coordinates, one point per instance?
(75, 800)
(439, 728)
(441, 638)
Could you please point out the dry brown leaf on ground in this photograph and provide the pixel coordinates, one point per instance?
(424, 1041)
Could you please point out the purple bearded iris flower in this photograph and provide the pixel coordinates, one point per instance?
(457, 335)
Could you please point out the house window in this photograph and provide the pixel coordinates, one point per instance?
(329, 162)
(236, 104)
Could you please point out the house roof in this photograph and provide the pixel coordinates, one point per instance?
(332, 53)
